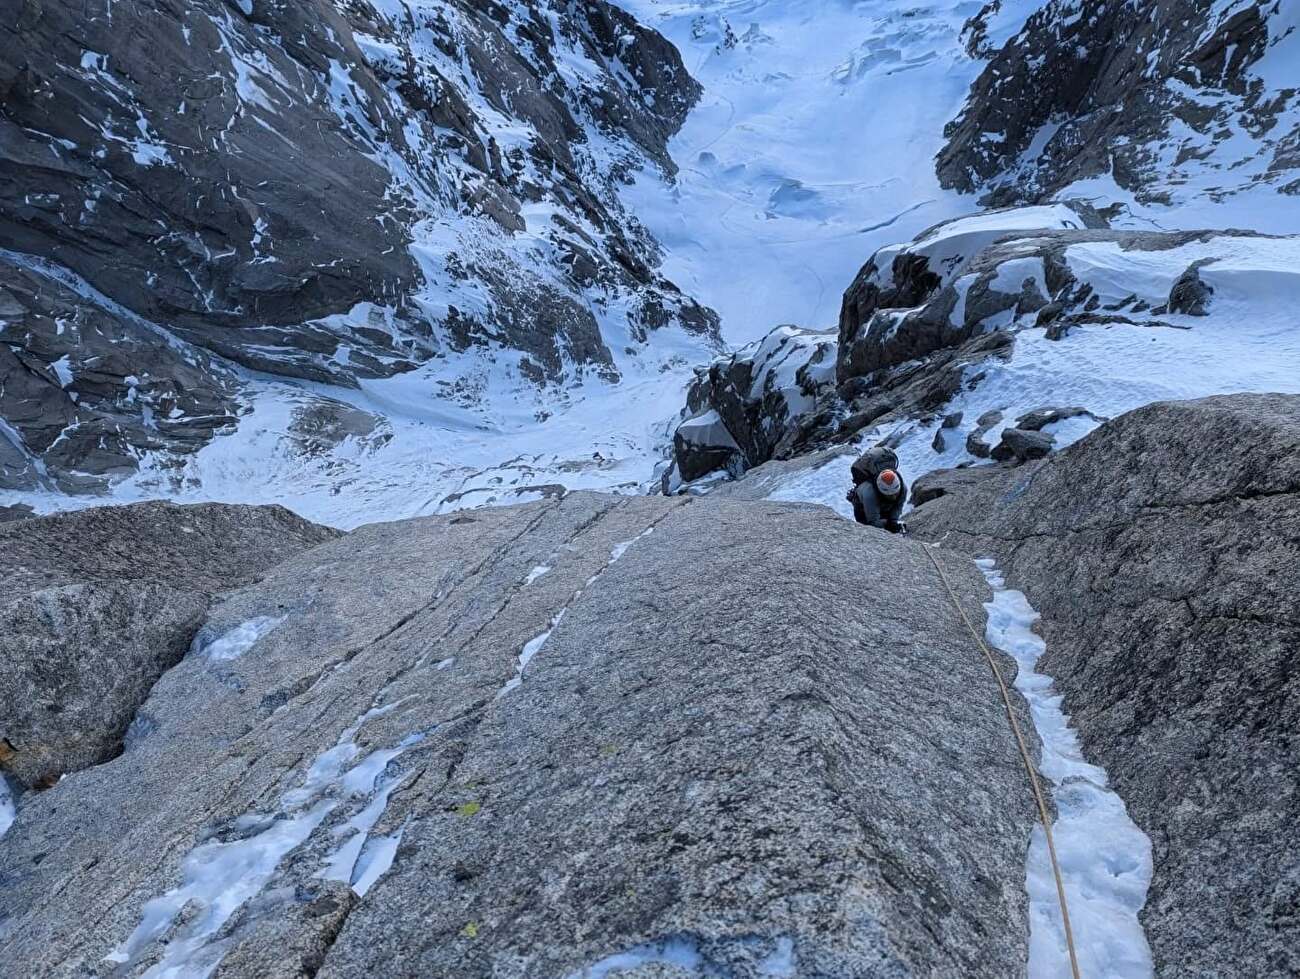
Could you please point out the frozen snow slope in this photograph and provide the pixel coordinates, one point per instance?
(813, 145)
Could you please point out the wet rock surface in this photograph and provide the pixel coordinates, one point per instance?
(96, 605)
(766, 754)
(1161, 552)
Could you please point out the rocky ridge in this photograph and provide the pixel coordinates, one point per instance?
(1168, 99)
(926, 327)
(331, 191)
(524, 741)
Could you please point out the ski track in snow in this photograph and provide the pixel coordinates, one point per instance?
(1105, 859)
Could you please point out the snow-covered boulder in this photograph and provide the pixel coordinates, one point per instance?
(1109, 319)
(753, 405)
(96, 605)
(912, 299)
(1161, 552)
(702, 445)
(571, 738)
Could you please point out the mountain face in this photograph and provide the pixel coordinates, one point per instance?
(1169, 99)
(324, 191)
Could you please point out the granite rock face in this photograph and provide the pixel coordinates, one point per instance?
(524, 741)
(96, 605)
(1152, 94)
(1161, 551)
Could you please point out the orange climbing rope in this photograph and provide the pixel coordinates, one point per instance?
(1024, 756)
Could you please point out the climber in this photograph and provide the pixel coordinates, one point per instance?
(878, 493)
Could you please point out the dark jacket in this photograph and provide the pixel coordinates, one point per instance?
(873, 508)
(870, 506)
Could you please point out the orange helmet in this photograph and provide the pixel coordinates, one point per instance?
(888, 483)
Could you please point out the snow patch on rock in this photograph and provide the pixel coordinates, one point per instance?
(1105, 859)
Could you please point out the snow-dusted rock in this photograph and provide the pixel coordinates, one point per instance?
(87, 389)
(1172, 99)
(702, 445)
(752, 405)
(558, 739)
(912, 299)
(95, 606)
(330, 191)
(1161, 552)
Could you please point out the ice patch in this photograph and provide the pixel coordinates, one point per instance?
(8, 811)
(240, 639)
(219, 877)
(679, 952)
(1105, 859)
(618, 550)
(63, 370)
(536, 573)
(683, 952)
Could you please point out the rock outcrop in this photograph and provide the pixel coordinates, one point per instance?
(924, 324)
(319, 190)
(96, 605)
(562, 738)
(1168, 98)
(1161, 551)
(752, 405)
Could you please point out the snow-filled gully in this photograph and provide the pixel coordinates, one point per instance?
(1105, 859)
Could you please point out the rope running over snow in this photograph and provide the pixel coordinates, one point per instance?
(1024, 756)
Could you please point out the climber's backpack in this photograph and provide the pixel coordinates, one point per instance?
(872, 463)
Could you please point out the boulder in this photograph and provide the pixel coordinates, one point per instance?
(703, 445)
(96, 605)
(761, 395)
(975, 443)
(1161, 552)
(1040, 418)
(1021, 445)
(1190, 294)
(576, 736)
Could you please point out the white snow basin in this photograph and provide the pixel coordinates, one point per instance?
(1105, 859)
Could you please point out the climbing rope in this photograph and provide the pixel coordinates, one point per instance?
(1024, 756)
